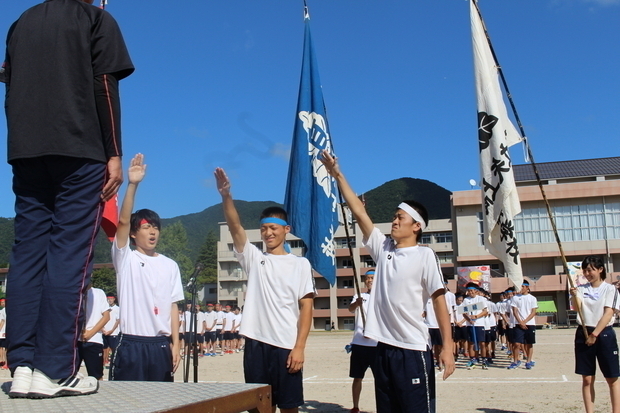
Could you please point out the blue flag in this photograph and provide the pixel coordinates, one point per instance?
(311, 193)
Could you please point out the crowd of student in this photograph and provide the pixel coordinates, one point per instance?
(217, 330)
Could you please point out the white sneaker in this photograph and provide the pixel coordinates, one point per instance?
(43, 387)
(22, 377)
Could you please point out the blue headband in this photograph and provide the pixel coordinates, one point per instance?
(472, 288)
(273, 220)
(371, 272)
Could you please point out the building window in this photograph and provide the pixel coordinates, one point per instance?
(588, 222)
(367, 261)
(347, 283)
(349, 323)
(443, 237)
(212, 290)
(345, 263)
(297, 243)
(342, 242)
(426, 239)
(445, 257)
(480, 229)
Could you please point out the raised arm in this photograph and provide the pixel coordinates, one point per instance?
(354, 203)
(230, 212)
(136, 172)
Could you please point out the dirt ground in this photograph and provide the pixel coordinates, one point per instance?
(550, 387)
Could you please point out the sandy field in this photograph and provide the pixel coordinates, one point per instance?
(551, 386)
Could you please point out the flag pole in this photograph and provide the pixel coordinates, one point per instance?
(358, 291)
(530, 155)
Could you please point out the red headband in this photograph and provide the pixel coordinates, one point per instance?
(144, 221)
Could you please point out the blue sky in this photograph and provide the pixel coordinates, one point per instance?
(216, 84)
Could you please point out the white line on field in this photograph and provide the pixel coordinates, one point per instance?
(310, 378)
(564, 377)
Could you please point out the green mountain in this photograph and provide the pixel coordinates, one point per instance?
(381, 203)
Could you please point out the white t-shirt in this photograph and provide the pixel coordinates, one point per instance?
(451, 302)
(431, 317)
(114, 315)
(220, 320)
(147, 286)
(238, 318)
(3, 318)
(511, 316)
(458, 316)
(358, 334)
(405, 279)
(276, 284)
(481, 304)
(524, 303)
(594, 301)
(210, 317)
(230, 318)
(96, 306)
(188, 322)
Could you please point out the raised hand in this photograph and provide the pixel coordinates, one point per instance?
(331, 163)
(222, 181)
(137, 169)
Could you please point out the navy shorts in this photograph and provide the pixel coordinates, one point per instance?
(460, 333)
(490, 335)
(92, 354)
(210, 337)
(435, 336)
(139, 358)
(189, 338)
(2, 342)
(362, 357)
(510, 334)
(109, 341)
(404, 380)
(218, 334)
(524, 336)
(264, 363)
(478, 331)
(604, 349)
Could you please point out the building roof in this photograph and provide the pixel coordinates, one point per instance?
(569, 169)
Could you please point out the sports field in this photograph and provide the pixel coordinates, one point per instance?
(551, 386)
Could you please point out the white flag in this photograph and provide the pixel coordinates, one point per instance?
(496, 133)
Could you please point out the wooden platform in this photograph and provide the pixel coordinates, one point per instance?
(134, 397)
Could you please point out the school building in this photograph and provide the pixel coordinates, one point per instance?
(584, 196)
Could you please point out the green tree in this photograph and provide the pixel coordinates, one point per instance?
(105, 279)
(173, 244)
(208, 258)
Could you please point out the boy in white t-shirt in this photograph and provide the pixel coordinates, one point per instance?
(475, 315)
(363, 350)
(149, 287)
(3, 364)
(524, 307)
(278, 307)
(90, 344)
(407, 274)
(111, 330)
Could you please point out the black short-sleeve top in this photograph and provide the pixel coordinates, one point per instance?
(54, 51)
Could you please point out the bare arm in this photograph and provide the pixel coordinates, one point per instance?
(443, 320)
(357, 303)
(295, 360)
(230, 212)
(88, 334)
(136, 172)
(354, 203)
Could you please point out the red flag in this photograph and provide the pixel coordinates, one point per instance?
(110, 217)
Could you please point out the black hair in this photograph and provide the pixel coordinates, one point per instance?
(458, 295)
(150, 216)
(596, 263)
(510, 290)
(472, 284)
(421, 209)
(275, 212)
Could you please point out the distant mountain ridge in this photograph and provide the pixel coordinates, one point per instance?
(381, 202)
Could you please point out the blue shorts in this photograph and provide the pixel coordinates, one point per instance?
(139, 358)
(109, 341)
(362, 357)
(524, 336)
(404, 380)
(460, 333)
(264, 363)
(435, 336)
(604, 349)
(92, 354)
(210, 337)
(479, 334)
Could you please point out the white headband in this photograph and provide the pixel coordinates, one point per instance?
(414, 214)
